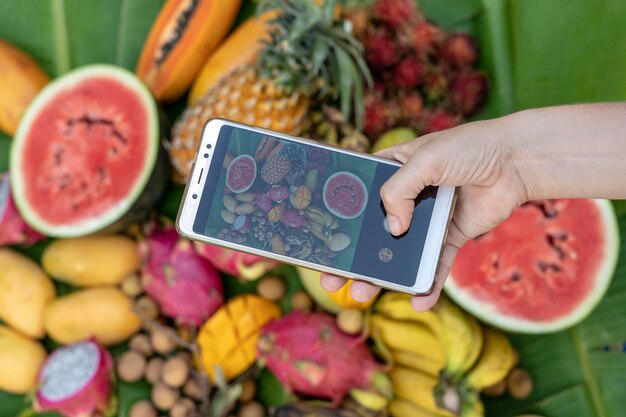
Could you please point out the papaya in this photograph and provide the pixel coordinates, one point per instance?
(183, 35)
(229, 337)
(104, 313)
(239, 49)
(25, 291)
(21, 78)
(92, 260)
(20, 360)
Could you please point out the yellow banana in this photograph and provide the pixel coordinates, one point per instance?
(370, 400)
(496, 360)
(397, 306)
(459, 336)
(421, 363)
(410, 337)
(402, 408)
(477, 344)
(417, 388)
(475, 409)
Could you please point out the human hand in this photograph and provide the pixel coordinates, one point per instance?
(475, 157)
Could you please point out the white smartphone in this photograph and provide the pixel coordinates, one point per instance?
(309, 204)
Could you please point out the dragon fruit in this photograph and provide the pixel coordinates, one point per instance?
(186, 286)
(278, 193)
(75, 380)
(264, 202)
(291, 218)
(13, 229)
(310, 356)
(239, 264)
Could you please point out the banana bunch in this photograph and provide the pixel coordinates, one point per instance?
(321, 223)
(441, 359)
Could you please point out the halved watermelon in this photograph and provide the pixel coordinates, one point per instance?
(542, 270)
(85, 156)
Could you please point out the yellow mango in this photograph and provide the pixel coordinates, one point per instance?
(20, 360)
(104, 313)
(92, 260)
(228, 339)
(25, 290)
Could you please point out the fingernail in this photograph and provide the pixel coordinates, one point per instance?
(394, 224)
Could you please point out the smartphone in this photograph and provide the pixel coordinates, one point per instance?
(309, 204)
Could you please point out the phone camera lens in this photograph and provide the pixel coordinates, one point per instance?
(208, 146)
(206, 155)
(194, 196)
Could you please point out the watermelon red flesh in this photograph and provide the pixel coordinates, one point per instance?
(91, 150)
(542, 269)
(345, 195)
(84, 151)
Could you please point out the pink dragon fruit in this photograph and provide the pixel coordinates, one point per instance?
(278, 193)
(239, 264)
(264, 202)
(185, 285)
(291, 218)
(310, 356)
(13, 229)
(75, 380)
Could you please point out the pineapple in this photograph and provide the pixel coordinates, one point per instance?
(290, 158)
(310, 55)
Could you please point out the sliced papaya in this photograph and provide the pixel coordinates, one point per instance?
(183, 35)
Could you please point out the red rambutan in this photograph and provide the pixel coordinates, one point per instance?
(424, 37)
(380, 50)
(395, 13)
(439, 119)
(468, 92)
(411, 106)
(459, 49)
(408, 73)
(379, 117)
(436, 82)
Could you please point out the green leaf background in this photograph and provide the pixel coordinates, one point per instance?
(536, 53)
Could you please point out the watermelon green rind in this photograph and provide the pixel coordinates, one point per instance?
(132, 199)
(489, 314)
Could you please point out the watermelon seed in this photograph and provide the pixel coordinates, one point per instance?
(516, 277)
(552, 241)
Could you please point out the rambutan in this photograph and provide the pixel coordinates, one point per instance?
(468, 92)
(395, 13)
(436, 82)
(380, 50)
(411, 106)
(408, 73)
(439, 119)
(424, 37)
(459, 49)
(379, 116)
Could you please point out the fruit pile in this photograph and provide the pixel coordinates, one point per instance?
(105, 310)
(424, 77)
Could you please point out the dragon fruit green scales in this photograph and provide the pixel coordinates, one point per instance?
(311, 356)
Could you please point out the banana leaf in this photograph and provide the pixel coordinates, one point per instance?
(535, 52)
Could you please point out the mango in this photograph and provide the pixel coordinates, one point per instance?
(229, 337)
(104, 313)
(25, 290)
(92, 260)
(21, 79)
(20, 360)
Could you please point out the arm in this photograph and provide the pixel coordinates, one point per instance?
(558, 152)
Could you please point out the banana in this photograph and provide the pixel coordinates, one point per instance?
(368, 399)
(496, 360)
(410, 337)
(416, 387)
(474, 409)
(319, 231)
(21, 79)
(418, 362)
(402, 408)
(397, 306)
(477, 345)
(459, 337)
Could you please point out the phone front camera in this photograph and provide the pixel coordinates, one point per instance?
(194, 196)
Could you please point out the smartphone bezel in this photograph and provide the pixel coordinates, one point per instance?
(435, 237)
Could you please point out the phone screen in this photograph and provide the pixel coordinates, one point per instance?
(309, 203)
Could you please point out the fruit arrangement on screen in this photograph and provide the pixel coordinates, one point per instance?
(106, 311)
(291, 199)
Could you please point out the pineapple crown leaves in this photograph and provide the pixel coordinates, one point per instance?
(312, 51)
